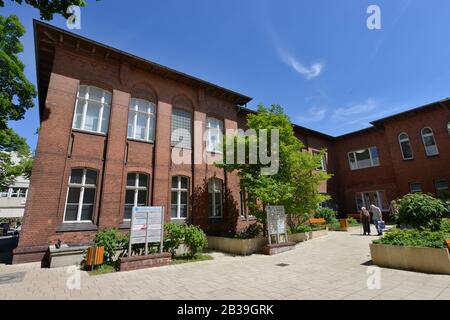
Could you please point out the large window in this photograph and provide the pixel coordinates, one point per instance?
(442, 189)
(92, 109)
(429, 142)
(214, 132)
(136, 192)
(415, 187)
(448, 128)
(215, 198)
(363, 158)
(81, 195)
(179, 198)
(14, 193)
(323, 161)
(181, 129)
(405, 146)
(141, 120)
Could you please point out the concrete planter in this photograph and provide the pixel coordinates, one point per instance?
(428, 260)
(66, 255)
(298, 237)
(318, 233)
(236, 246)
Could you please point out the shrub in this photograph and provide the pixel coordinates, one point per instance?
(352, 222)
(326, 213)
(445, 226)
(195, 239)
(414, 238)
(301, 228)
(174, 236)
(252, 231)
(112, 240)
(421, 211)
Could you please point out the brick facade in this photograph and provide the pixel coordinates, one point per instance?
(66, 61)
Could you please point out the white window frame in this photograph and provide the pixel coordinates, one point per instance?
(416, 183)
(136, 188)
(179, 190)
(81, 186)
(214, 127)
(431, 134)
(448, 128)
(405, 140)
(150, 115)
(85, 100)
(370, 155)
(214, 194)
(243, 208)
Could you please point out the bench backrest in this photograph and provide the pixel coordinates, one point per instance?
(317, 220)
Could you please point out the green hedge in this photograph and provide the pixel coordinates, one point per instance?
(414, 238)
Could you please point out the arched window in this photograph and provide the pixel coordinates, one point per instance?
(81, 195)
(429, 142)
(215, 198)
(181, 136)
(136, 192)
(405, 146)
(179, 197)
(92, 109)
(141, 120)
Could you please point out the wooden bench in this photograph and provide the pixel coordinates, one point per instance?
(317, 221)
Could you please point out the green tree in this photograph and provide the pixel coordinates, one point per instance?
(294, 185)
(47, 8)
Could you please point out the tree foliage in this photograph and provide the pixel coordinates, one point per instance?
(47, 8)
(294, 185)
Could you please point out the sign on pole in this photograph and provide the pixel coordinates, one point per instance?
(147, 226)
(276, 224)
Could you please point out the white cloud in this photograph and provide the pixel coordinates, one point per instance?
(313, 114)
(308, 72)
(356, 112)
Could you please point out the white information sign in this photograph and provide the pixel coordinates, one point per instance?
(147, 226)
(276, 223)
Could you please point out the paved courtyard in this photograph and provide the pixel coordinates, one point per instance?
(331, 267)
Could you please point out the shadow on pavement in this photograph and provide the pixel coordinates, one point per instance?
(7, 245)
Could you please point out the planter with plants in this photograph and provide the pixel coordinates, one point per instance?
(423, 248)
(299, 233)
(242, 243)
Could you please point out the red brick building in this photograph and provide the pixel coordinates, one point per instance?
(110, 122)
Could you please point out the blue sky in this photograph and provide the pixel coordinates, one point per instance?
(316, 58)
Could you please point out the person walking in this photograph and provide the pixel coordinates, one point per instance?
(364, 217)
(377, 217)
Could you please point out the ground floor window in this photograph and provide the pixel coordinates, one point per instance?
(136, 193)
(14, 193)
(215, 198)
(442, 189)
(415, 187)
(367, 198)
(81, 195)
(179, 197)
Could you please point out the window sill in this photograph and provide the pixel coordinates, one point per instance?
(141, 141)
(125, 224)
(371, 167)
(101, 134)
(432, 155)
(76, 226)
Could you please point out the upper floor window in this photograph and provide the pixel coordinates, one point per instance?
(136, 193)
(415, 187)
(448, 128)
(141, 120)
(405, 146)
(323, 161)
(179, 197)
(214, 133)
(81, 195)
(14, 193)
(215, 198)
(363, 158)
(442, 189)
(429, 142)
(181, 129)
(92, 109)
